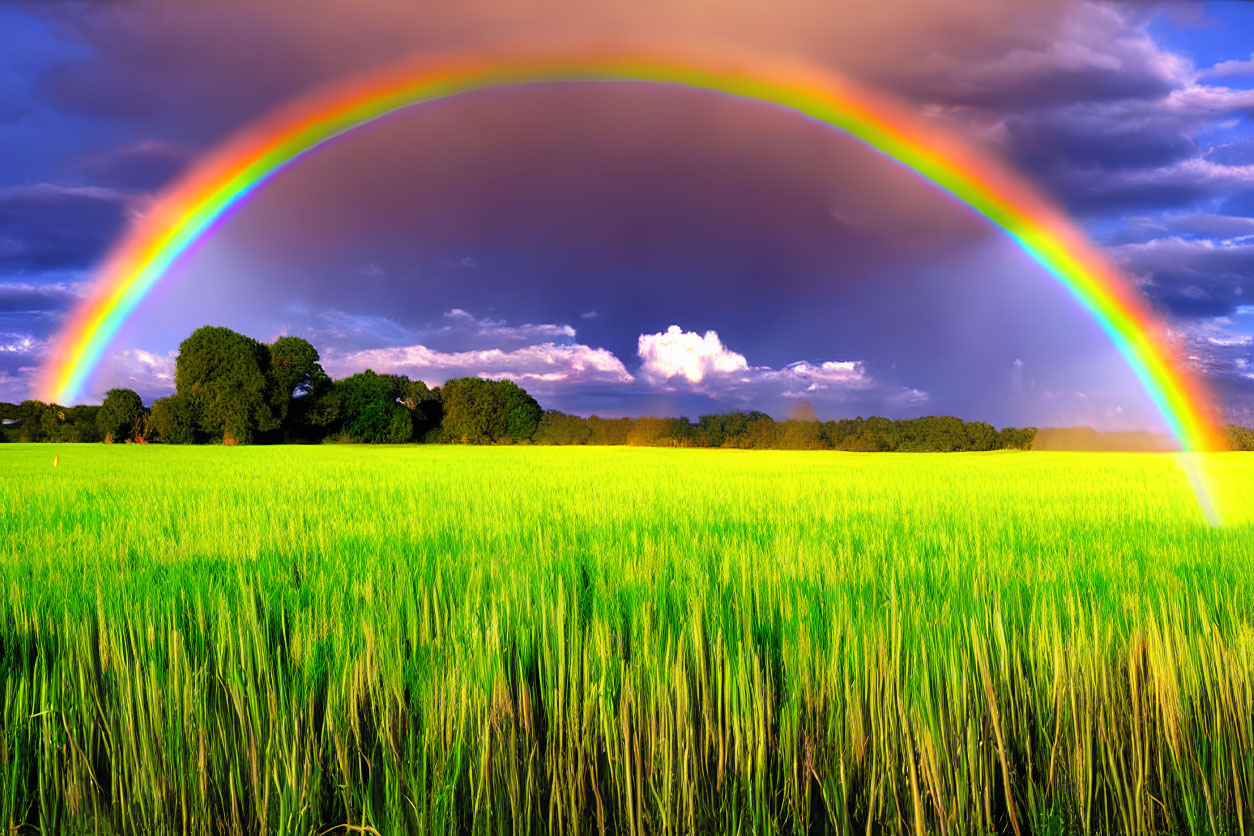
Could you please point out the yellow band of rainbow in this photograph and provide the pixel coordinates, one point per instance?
(226, 177)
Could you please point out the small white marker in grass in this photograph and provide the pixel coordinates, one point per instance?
(56, 460)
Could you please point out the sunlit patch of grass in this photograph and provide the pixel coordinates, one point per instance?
(430, 639)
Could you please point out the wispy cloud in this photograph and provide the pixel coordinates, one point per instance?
(148, 373)
(1235, 68)
(543, 367)
(463, 326)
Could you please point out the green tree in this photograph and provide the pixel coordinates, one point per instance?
(317, 414)
(762, 433)
(1239, 438)
(478, 411)
(423, 404)
(680, 432)
(522, 412)
(228, 375)
(982, 436)
(174, 419)
(731, 429)
(84, 419)
(55, 425)
(371, 411)
(1017, 438)
(118, 414)
(294, 373)
(31, 428)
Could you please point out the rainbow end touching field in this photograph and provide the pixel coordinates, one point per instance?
(225, 179)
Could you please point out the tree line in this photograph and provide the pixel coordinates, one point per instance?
(232, 389)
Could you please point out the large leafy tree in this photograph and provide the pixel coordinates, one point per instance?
(522, 412)
(423, 404)
(118, 414)
(982, 436)
(227, 376)
(371, 410)
(317, 414)
(478, 411)
(174, 419)
(294, 375)
(1018, 438)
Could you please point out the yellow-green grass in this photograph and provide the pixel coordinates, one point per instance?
(427, 639)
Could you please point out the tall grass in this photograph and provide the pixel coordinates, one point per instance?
(584, 640)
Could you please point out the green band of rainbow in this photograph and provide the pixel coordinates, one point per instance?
(224, 180)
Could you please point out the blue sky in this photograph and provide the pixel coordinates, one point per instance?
(630, 249)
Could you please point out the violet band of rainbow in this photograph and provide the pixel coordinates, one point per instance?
(225, 179)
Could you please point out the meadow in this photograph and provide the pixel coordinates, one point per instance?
(427, 639)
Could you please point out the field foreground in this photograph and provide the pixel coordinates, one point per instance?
(428, 639)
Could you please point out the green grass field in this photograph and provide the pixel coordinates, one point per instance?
(353, 639)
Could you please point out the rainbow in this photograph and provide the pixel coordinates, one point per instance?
(225, 179)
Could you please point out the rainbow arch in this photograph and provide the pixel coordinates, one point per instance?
(222, 181)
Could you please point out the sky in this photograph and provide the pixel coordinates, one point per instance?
(625, 248)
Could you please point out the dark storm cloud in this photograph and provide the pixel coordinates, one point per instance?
(1099, 53)
(1189, 185)
(1222, 348)
(46, 226)
(1044, 142)
(22, 297)
(1193, 277)
(1192, 226)
(1102, 158)
(1103, 116)
(141, 167)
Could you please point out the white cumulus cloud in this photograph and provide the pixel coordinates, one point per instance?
(687, 354)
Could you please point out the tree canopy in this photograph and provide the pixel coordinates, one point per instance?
(224, 379)
(119, 414)
(480, 411)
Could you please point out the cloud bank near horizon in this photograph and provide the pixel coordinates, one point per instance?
(671, 362)
(563, 372)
